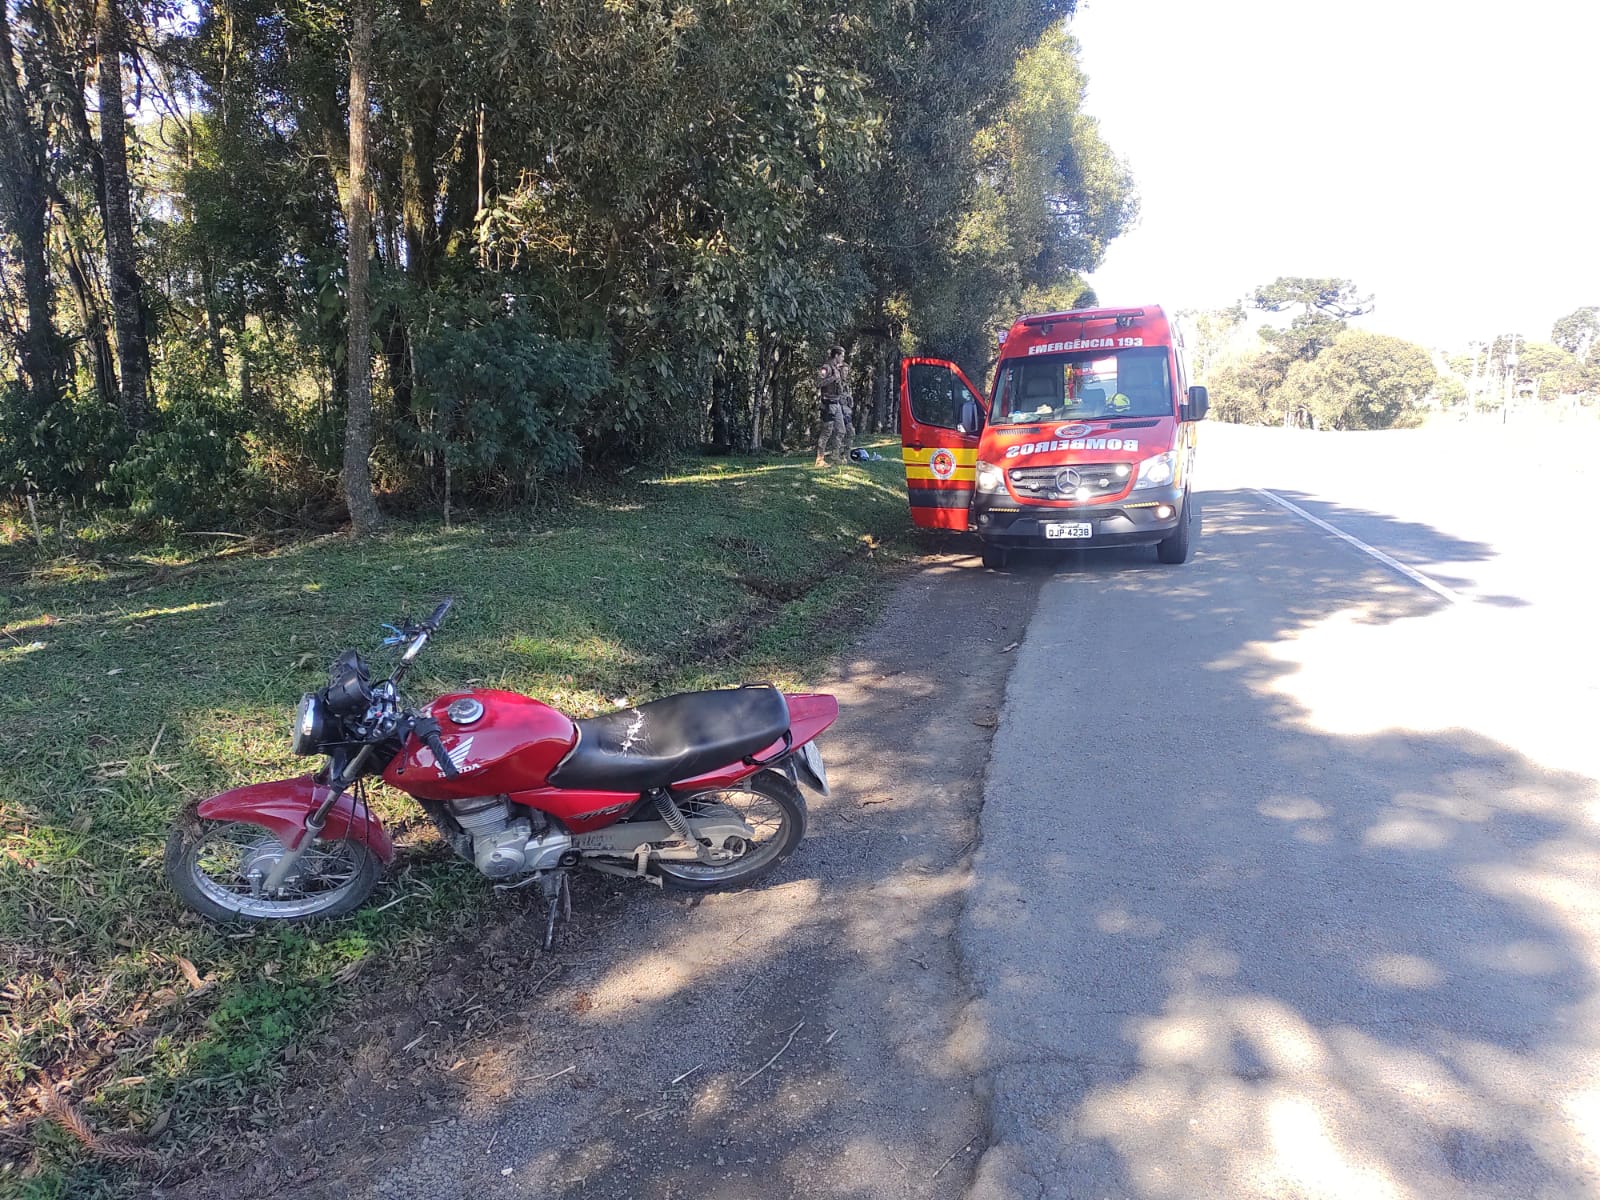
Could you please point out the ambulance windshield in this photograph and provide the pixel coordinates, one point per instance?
(1085, 386)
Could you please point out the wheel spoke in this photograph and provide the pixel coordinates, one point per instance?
(763, 816)
(230, 862)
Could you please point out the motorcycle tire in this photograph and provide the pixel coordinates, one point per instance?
(210, 864)
(780, 797)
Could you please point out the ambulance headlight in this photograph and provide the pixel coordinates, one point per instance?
(1157, 471)
(990, 478)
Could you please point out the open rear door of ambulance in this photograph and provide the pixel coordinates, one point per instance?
(941, 416)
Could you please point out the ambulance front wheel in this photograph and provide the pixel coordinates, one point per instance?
(1177, 548)
(995, 557)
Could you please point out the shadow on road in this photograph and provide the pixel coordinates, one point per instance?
(1251, 942)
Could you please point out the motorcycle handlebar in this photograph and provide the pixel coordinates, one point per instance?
(432, 623)
(427, 731)
(428, 629)
(435, 743)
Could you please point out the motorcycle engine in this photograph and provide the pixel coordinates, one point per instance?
(500, 839)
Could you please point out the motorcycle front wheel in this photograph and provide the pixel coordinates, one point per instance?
(217, 868)
(775, 812)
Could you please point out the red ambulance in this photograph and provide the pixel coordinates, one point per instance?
(1087, 439)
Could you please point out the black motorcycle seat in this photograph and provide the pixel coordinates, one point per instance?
(656, 744)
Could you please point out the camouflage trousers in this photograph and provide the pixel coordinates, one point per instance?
(835, 427)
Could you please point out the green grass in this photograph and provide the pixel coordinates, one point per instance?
(131, 684)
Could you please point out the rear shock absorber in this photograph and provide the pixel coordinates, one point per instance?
(679, 824)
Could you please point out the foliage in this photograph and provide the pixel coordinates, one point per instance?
(1449, 393)
(193, 462)
(63, 449)
(1578, 333)
(1363, 381)
(1316, 372)
(1557, 371)
(1050, 197)
(503, 401)
(1244, 391)
(1325, 305)
(1210, 334)
(1338, 298)
(771, 177)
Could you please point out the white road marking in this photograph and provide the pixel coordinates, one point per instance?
(1395, 564)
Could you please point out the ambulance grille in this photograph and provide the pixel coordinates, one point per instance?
(1101, 479)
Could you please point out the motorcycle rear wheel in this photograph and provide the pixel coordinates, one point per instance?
(771, 806)
(216, 867)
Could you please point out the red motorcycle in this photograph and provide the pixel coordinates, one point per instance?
(698, 791)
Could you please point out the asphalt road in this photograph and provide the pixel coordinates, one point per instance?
(1289, 879)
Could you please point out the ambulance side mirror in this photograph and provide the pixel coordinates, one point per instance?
(971, 418)
(1198, 404)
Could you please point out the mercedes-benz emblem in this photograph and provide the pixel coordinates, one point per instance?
(1068, 480)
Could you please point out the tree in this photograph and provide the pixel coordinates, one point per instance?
(1050, 195)
(128, 306)
(1325, 305)
(1244, 391)
(773, 177)
(358, 494)
(1363, 381)
(1213, 330)
(1556, 370)
(1578, 333)
(24, 194)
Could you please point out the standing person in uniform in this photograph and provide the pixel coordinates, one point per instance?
(833, 383)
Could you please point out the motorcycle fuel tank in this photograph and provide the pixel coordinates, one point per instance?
(498, 741)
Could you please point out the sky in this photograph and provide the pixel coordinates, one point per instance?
(1444, 156)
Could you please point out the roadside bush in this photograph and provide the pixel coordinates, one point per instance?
(499, 401)
(1242, 393)
(193, 464)
(1364, 381)
(61, 451)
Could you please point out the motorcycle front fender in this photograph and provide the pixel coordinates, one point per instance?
(282, 804)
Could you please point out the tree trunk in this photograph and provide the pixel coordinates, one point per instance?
(208, 282)
(24, 192)
(768, 355)
(358, 495)
(244, 354)
(721, 435)
(92, 316)
(880, 386)
(893, 355)
(127, 289)
(398, 354)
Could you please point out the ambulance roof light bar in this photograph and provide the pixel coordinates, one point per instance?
(1123, 317)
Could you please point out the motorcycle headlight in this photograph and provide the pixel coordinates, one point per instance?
(1157, 471)
(990, 478)
(309, 725)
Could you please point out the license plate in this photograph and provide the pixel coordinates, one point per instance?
(1068, 529)
(812, 758)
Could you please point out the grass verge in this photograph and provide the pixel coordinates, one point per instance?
(132, 685)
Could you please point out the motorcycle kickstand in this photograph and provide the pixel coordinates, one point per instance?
(557, 902)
